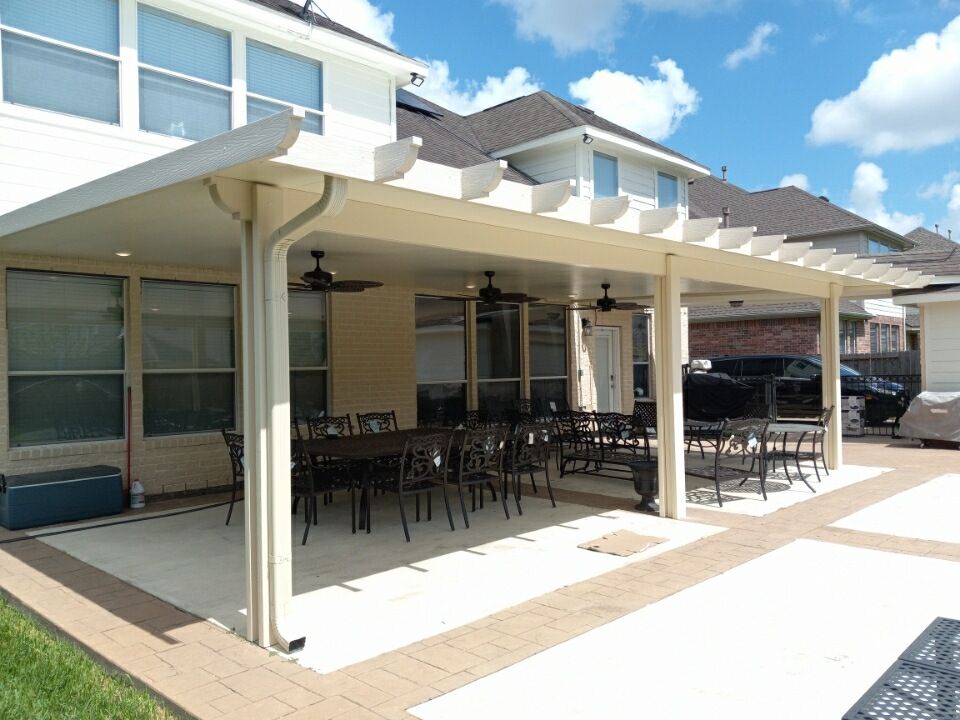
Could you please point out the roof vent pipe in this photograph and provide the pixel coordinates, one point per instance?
(936, 228)
(724, 171)
(726, 216)
(949, 234)
(825, 198)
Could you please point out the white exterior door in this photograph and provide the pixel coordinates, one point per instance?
(606, 368)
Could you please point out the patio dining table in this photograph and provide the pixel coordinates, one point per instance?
(367, 450)
(781, 431)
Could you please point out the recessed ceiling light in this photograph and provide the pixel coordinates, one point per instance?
(122, 253)
(471, 287)
(572, 297)
(332, 272)
(154, 309)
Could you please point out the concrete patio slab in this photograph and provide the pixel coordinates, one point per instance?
(926, 512)
(798, 633)
(357, 596)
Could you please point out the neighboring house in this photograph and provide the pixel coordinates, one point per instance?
(935, 311)
(868, 326)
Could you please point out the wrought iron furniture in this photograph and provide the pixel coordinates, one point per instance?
(701, 432)
(423, 469)
(310, 479)
(645, 414)
(529, 454)
(743, 439)
(602, 440)
(481, 463)
(234, 443)
(580, 441)
(377, 422)
(329, 426)
(817, 433)
(782, 431)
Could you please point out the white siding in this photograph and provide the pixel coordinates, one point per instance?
(359, 104)
(45, 153)
(941, 346)
(844, 243)
(639, 181)
(883, 307)
(547, 164)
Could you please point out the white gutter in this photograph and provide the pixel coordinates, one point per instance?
(275, 277)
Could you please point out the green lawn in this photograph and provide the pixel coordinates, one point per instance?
(45, 678)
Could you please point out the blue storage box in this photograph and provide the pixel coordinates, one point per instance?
(57, 496)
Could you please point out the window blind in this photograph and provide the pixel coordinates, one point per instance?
(175, 43)
(284, 76)
(93, 24)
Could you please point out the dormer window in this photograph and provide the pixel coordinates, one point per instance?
(668, 190)
(277, 79)
(606, 176)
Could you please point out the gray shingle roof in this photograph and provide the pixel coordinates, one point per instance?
(786, 211)
(448, 138)
(929, 241)
(721, 313)
(540, 114)
(320, 20)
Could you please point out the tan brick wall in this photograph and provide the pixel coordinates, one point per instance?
(163, 465)
(582, 385)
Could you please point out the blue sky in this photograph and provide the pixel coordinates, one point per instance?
(733, 82)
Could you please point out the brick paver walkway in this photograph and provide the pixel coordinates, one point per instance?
(210, 673)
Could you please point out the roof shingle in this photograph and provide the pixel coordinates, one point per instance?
(786, 211)
(722, 313)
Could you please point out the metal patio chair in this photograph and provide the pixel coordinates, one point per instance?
(423, 469)
(375, 422)
(743, 439)
(481, 463)
(234, 441)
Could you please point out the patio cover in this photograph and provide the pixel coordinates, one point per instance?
(245, 198)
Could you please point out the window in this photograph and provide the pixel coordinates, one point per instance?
(641, 355)
(498, 357)
(668, 190)
(849, 329)
(606, 176)
(441, 360)
(308, 354)
(277, 80)
(69, 62)
(894, 338)
(875, 247)
(66, 358)
(185, 76)
(188, 358)
(884, 338)
(547, 326)
(874, 338)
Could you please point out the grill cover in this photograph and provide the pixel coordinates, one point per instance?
(932, 416)
(714, 397)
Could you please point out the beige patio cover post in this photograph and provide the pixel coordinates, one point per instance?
(830, 354)
(670, 445)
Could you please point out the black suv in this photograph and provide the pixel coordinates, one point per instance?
(799, 385)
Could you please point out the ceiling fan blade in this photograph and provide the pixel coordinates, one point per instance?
(630, 306)
(299, 286)
(354, 285)
(581, 308)
(515, 298)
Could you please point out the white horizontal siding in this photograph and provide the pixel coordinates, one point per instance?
(638, 180)
(883, 307)
(359, 104)
(941, 346)
(852, 243)
(547, 164)
(43, 153)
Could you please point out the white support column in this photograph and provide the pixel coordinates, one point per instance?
(830, 353)
(671, 466)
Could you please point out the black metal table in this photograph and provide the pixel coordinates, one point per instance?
(783, 430)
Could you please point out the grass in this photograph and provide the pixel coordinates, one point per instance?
(45, 678)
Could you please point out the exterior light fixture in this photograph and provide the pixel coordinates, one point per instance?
(122, 253)
(416, 79)
(587, 139)
(586, 326)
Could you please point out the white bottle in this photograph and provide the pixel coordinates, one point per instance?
(137, 500)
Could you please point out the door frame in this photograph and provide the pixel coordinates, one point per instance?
(613, 334)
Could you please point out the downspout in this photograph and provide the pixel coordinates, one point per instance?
(280, 583)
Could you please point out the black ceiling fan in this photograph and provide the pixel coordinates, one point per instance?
(607, 303)
(491, 295)
(319, 280)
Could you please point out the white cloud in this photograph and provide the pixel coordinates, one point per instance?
(651, 106)
(797, 180)
(866, 198)
(906, 101)
(755, 46)
(819, 38)
(952, 220)
(466, 97)
(942, 187)
(573, 26)
(362, 16)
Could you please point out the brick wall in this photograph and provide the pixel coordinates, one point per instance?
(744, 337)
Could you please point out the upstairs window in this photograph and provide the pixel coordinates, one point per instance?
(875, 247)
(277, 80)
(62, 55)
(185, 76)
(606, 176)
(668, 190)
